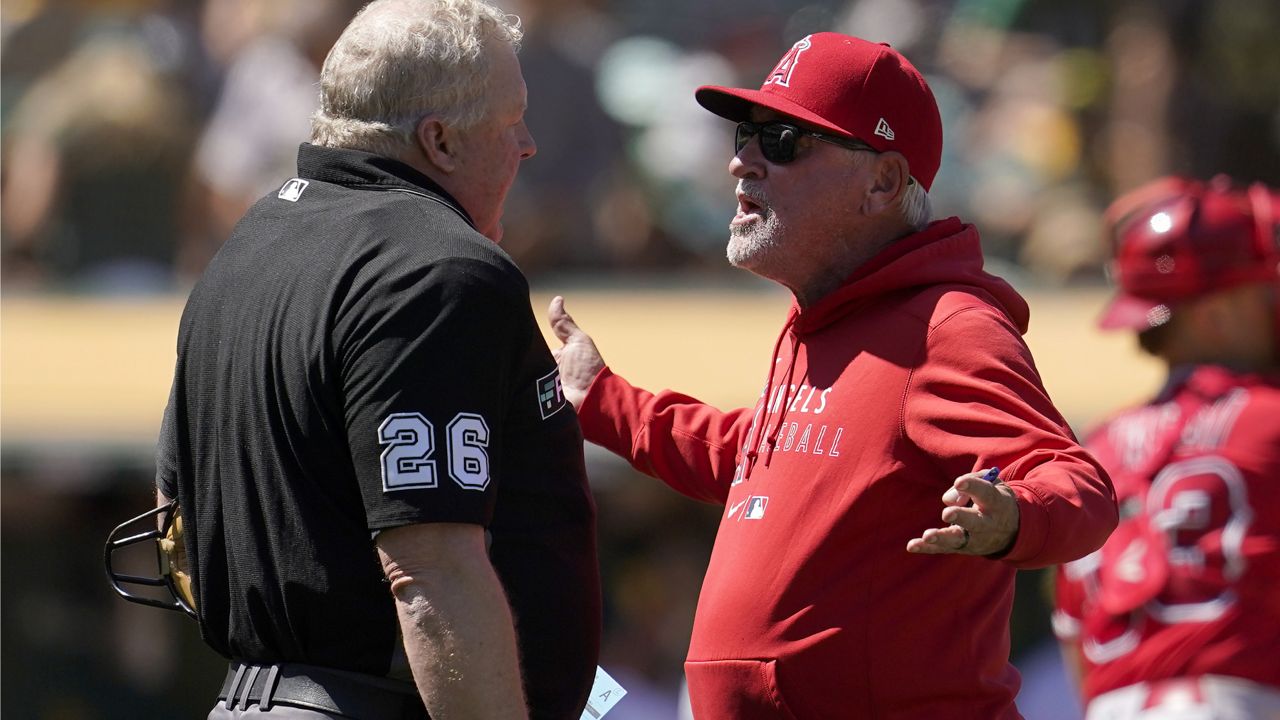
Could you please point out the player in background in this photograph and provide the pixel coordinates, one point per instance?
(1177, 617)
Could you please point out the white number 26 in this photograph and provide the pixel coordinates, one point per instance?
(410, 441)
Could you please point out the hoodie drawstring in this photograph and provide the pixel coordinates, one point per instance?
(753, 438)
(786, 401)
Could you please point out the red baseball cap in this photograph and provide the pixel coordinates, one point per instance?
(849, 87)
(1176, 239)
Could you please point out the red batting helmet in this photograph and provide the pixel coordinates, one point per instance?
(1176, 239)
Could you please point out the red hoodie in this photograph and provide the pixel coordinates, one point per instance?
(910, 374)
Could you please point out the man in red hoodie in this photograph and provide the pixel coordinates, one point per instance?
(1177, 617)
(865, 560)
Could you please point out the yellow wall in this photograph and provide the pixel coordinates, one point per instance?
(98, 370)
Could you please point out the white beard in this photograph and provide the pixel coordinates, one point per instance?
(752, 244)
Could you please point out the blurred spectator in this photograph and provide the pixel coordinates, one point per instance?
(96, 156)
(676, 153)
(1210, 74)
(274, 50)
(36, 38)
(552, 212)
(1048, 108)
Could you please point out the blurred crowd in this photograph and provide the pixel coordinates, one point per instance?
(135, 132)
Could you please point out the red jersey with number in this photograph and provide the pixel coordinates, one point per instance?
(1189, 584)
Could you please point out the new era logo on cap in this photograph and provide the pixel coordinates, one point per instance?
(883, 130)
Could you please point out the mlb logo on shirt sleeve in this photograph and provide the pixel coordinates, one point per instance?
(550, 394)
(755, 507)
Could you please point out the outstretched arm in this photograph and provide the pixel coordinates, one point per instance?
(979, 401)
(687, 444)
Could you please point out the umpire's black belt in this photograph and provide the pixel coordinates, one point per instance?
(348, 694)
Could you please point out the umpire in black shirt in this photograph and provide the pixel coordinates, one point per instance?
(383, 488)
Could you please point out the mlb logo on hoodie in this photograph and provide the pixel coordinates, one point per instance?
(755, 507)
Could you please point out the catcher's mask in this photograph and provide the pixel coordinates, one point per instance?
(171, 559)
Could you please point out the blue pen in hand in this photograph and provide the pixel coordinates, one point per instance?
(992, 476)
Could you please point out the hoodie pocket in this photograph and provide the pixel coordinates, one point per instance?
(735, 690)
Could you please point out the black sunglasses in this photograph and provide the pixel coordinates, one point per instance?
(778, 140)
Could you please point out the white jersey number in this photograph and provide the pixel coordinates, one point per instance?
(1202, 506)
(410, 437)
(468, 460)
(406, 464)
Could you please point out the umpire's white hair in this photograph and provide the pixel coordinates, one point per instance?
(401, 60)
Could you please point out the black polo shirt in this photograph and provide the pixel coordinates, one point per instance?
(358, 357)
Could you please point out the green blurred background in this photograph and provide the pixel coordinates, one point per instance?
(135, 133)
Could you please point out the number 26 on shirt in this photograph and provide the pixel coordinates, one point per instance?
(410, 439)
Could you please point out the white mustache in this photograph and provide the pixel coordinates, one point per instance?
(752, 192)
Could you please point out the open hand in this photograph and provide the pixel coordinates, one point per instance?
(578, 358)
(986, 527)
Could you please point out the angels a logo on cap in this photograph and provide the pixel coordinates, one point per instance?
(781, 74)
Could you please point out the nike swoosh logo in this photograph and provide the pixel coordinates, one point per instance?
(734, 510)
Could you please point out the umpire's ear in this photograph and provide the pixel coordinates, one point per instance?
(438, 143)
